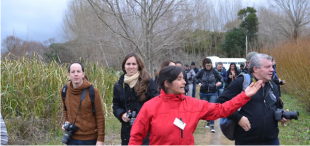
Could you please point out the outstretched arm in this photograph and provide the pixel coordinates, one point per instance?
(212, 111)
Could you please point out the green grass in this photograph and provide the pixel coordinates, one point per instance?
(296, 132)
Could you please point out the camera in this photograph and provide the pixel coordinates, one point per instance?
(280, 113)
(70, 129)
(132, 116)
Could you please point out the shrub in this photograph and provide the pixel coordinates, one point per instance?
(293, 66)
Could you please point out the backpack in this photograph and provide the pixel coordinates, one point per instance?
(91, 95)
(227, 125)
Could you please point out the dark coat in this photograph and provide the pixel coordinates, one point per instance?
(229, 79)
(259, 110)
(208, 79)
(124, 99)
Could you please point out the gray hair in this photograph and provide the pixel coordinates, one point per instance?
(257, 60)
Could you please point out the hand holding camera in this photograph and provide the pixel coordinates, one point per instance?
(125, 117)
(132, 116)
(279, 114)
(70, 129)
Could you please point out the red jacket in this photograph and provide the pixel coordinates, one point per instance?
(158, 114)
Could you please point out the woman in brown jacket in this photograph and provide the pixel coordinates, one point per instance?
(91, 125)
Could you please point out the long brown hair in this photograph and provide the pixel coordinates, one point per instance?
(144, 78)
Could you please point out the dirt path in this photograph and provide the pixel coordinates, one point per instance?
(203, 136)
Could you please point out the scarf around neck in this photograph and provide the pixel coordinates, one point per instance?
(132, 80)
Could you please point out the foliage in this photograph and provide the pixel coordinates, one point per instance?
(235, 39)
(30, 96)
(292, 59)
(58, 52)
(206, 43)
(234, 43)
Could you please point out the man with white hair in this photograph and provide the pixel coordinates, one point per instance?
(256, 122)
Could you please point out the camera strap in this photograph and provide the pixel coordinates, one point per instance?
(82, 98)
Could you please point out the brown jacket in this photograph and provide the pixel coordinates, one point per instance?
(90, 126)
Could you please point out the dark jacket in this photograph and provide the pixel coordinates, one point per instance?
(229, 79)
(208, 78)
(264, 127)
(186, 88)
(275, 78)
(124, 99)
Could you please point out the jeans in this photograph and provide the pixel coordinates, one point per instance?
(273, 142)
(210, 97)
(194, 89)
(220, 91)
(82, 142)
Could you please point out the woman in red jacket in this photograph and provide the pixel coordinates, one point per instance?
(172, 117)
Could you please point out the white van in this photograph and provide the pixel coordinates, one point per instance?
(226, 61)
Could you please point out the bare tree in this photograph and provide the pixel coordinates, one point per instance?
(149, 26)
(292, 17)
(87, 37)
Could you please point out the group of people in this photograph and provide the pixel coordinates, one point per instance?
(162, 111)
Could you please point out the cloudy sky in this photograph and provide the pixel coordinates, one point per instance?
(37, 20)
(40, 20)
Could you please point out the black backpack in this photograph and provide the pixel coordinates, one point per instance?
(91, 95)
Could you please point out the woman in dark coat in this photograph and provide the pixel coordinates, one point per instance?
(232, 73)
(131, 91)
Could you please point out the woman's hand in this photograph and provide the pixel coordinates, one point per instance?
(124, 117)
(63, 126)
(218, 84)
(253, 88)
(99, 143)
(199, 84)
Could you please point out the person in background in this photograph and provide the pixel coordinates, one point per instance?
(208, 81)
(172, 117)
(90, 125)
(179, 64)
(196, 70)
(190, 76)
(256, 121)
(131, 91)
(248, 58)
(165, 63)
(275, 77)
(242, 69)
(223, 73)
(4, 132)
(155, 73)
(232, 73)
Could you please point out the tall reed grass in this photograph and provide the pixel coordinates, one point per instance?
(293, 66)
(30, 96)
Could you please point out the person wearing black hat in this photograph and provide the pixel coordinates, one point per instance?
(193, 67)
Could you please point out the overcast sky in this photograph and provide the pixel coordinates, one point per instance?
(37, 20)
(40, 20)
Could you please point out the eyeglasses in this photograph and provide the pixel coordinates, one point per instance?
(208, 65)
